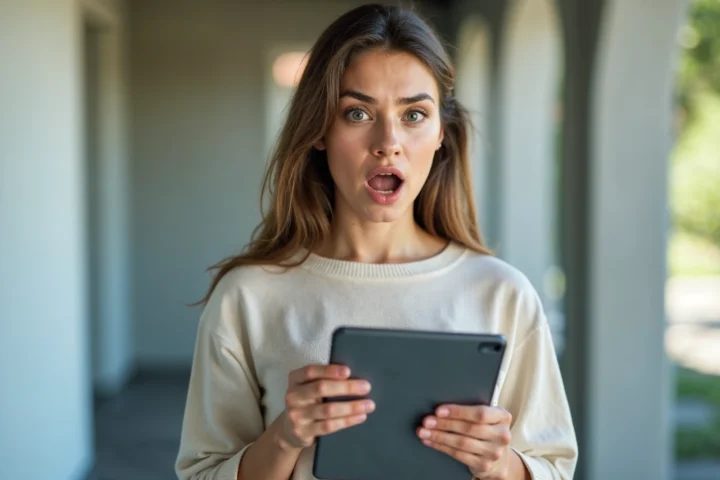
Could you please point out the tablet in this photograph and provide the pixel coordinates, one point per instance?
(411, 373)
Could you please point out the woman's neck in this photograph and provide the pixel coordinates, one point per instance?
(400, 241)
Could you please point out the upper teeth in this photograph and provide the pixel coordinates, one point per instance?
(386, 174)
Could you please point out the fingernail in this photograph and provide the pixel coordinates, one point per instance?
(344, 371)
(369, 406)
(365, 386)
(430, 422)
(424, 433)
(443, 412)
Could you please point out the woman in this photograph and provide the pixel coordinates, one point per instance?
(371, 223)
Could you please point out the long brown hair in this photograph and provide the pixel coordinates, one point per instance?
(298, 180)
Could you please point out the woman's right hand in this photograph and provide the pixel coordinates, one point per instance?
(306, 416)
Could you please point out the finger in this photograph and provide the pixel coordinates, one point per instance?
(304, 428)
(339, 409)
(325, 427)
(311, 392)
(301, 417)
(475, 413)
(498, 433)
(456, 426)
(457, 442)
(310, 373)
(474, 462)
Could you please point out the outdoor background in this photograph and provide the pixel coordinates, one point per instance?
(693, 287)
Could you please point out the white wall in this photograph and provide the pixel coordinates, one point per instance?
(278, 95)
(45, 409)
(198, 148)
(631, 129)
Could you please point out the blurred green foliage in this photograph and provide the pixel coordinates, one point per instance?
(691, 256)
(695, 170)
(700, 61)
(703, 442)
(695, 197)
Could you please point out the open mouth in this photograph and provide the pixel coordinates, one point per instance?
(385, 183)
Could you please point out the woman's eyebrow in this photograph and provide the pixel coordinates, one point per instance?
(368, 99)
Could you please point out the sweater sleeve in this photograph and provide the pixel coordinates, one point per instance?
(222, 413)
(542, 431)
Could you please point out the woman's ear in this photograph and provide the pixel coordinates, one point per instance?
(319, 145)
(440, 140)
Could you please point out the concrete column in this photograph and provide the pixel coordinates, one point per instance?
(581, 21)
(45, 404)
(105, 91)
(629, 428)
(530, 68)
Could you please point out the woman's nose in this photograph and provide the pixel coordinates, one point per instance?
(387, 143)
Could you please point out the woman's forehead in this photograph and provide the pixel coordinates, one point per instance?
(388, 76)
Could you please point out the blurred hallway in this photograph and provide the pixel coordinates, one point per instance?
(137, 432)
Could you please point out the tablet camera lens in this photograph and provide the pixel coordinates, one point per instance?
(489, 348)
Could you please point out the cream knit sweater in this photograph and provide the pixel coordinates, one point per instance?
(261, 323)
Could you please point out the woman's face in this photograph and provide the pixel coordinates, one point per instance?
(380, 146)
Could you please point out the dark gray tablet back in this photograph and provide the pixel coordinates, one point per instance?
(411, 373)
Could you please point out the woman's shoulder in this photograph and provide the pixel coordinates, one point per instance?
(497, 272)
(255, 278)
(506, 291)
(241, 294)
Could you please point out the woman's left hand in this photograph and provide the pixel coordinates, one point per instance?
(478, 436)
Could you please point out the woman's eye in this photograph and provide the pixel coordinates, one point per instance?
(356, 115)
(415, 116)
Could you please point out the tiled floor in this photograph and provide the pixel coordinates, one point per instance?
(137, 433)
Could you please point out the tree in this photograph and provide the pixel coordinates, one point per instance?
(695, 175)
(700, 62)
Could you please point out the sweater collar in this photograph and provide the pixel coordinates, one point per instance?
(438, 263)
